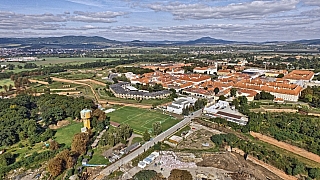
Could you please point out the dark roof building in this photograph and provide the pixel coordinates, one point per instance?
(123, 90)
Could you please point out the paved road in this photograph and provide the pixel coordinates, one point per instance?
(115, 166)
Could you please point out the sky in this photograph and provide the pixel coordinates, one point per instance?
(152, 20)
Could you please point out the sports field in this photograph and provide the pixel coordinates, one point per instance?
(141, 119)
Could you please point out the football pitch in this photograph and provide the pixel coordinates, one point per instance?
(141, 119)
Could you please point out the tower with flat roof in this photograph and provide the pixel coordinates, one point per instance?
(85, 116)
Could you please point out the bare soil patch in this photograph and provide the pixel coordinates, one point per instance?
(197, 139)
(235, 163)
(59, 124)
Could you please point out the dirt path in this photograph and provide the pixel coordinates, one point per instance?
(131, 138)
(269, 167)
(287, 146)
(125, 104)
(97, 98)
(38, 81)
(77, 82)
(276, 171)
(93, 81)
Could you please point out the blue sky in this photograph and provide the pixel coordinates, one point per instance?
(241, 20)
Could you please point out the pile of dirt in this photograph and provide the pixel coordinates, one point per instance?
(59, 124)
(235, 163)
(241, 176)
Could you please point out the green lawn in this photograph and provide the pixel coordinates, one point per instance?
(141, 119)
(97, 157)
(137, 139)
(65, 134)
(5, 82)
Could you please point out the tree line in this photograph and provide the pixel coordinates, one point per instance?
(21, 117)
(291, 166)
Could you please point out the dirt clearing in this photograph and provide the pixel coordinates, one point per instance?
(235, 163)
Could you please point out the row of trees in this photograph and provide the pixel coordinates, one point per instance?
(264, 96)
(199, 104)
(294, 128)
(288, 164)
(115, 136)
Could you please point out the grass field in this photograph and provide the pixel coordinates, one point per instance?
(141, 119)
(97, 157)
(65, 134)
(5, 82)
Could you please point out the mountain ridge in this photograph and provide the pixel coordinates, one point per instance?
(101, 42)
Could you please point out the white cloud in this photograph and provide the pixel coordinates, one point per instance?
(247, 10)
(312, 2)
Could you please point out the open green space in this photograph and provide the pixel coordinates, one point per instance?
(6, 82)
(97, 157)
(137, 139)
(65, 134)
(26, 149)
(141, 119)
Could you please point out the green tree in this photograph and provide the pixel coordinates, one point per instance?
(280, 75)
(233, 92)
(222, 98)
(243, 100)
(145, 175)
(157, 128)
(55, 166)
(79, 143)
(216, 90)
(177, 174)
(314, 173)
(146, 135)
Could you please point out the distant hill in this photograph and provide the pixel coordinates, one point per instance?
(308, 42)
(208, 40)
(60, 42)
(101, 42)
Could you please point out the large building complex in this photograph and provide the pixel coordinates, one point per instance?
(248, 83)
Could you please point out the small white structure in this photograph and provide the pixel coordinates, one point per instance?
(84, 129)
(109, 110)
(142, 164)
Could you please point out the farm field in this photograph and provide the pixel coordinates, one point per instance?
(141, 119)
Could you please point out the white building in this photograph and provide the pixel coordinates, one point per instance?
(223, 110)
(180, 103)
(206, 70)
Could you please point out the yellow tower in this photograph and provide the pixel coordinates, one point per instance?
(85, 116)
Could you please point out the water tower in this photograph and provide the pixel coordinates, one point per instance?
(85, 116)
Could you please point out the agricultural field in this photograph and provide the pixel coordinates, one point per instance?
(141, 119)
